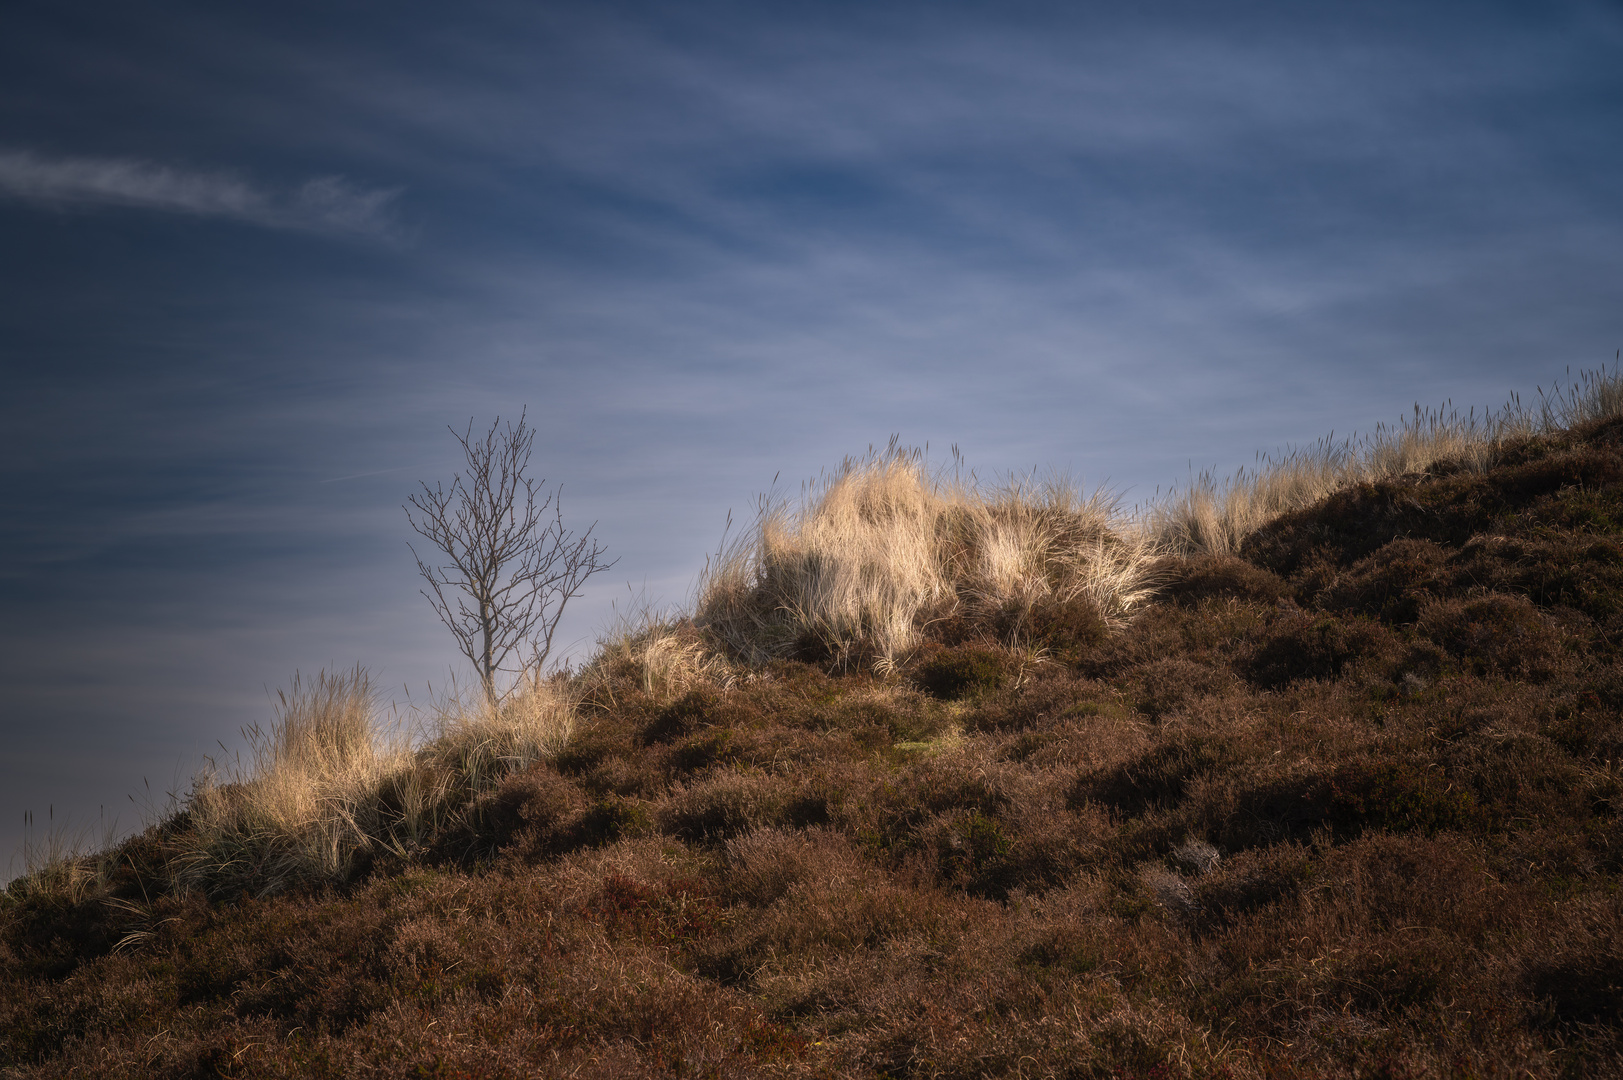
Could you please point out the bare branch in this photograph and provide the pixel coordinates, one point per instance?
(511, 566)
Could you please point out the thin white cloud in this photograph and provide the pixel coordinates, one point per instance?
(333, 203)
(324, 204)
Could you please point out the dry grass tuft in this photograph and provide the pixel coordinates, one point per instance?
(880, 549)
(330, 785)
(661, 654)
(483, 744)
(306, 805)
(66, 865)
(1213, 515)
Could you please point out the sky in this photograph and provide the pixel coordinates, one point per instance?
(257, 260)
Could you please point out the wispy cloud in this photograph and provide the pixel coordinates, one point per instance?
(323, 204)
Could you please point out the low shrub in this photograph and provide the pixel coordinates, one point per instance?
(1500, 634)
(960, 671)
(1158, 777)
(1297, 645)
(723, 804)
(1221, 577)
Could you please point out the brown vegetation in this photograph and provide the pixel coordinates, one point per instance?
(1342, 801)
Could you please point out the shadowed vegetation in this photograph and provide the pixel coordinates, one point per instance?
(1022, 791)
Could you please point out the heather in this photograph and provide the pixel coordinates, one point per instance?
(937, 780)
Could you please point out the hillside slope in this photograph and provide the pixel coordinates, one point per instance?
(1345, 803)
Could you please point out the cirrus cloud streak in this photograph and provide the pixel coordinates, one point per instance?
(323, 204)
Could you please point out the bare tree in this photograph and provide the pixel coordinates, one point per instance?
(512, 565)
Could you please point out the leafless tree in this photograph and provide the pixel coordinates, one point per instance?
(512, 565)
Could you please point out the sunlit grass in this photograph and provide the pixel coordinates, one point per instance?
(1213, 514)
(332, 783)
(882, 547)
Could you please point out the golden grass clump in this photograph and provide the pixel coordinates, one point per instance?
(1213, 515)
(306, 805)
(330, 784)
(880, 548)
(663, 654)
(66, 864)
(479, 744)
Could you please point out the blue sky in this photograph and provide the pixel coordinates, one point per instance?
(254, 262)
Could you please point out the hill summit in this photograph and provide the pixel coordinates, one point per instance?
(1311, 772)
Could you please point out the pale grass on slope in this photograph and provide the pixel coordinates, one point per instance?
(662, 653)
(305, 805)
(65, 863)
(330, 784)
(1214, 515)
(479, 745)
(880, 547)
